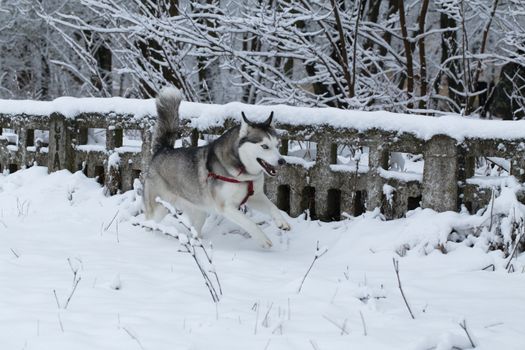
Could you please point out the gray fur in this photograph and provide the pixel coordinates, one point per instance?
(168, 103)
(180, 176)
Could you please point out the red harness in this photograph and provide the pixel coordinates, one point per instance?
(235, 181)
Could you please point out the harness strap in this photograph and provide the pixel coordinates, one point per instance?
(234, 181)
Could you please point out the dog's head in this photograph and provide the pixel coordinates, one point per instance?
(258, 146)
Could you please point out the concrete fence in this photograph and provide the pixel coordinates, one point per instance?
(323, 187)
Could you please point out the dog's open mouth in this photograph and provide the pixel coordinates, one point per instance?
(268, 168)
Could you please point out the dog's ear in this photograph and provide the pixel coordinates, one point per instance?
(246, 119)
(268, 121)
(244, 125)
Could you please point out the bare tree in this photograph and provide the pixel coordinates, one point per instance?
(422, 53)
(408, 52)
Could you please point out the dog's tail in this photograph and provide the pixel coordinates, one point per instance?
(168, 102)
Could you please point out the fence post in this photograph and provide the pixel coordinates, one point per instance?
(377, 159)
(61, 153)
(22, 145)
(322, 172)
(147, 138)
(517, 167)
(113, 178)
(113, 138)
(440, 174)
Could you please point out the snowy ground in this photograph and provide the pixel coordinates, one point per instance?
(138, 292)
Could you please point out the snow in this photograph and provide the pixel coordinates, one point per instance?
(130, 149)
(204, 116)
(299, 161)
(11, 137)
(388, 191)
(70, 107)
(136, 289)
(41, 150)
(349, 168)
(113, 160)
(492, 181)
(91, 148)
(404, 176)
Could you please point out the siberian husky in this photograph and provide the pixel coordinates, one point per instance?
(220, 177)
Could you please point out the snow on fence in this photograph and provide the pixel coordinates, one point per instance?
(68, 133)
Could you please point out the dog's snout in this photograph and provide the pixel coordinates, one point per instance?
(281, 161)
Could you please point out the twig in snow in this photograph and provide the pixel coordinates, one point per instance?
(113, 219)
(265, 322)
(17, 256)
(347, 273)
(396, 269)
(3, 223)
(493, 195)
(279, 327)
(314, 344)
(463, 325)
(335, 294)
(56, 298)
(217, 279)
(207, 281)
(491, 266)
(518, 240)
(317, 256)
(268, 344)
(364, 323)
(494, 324)
(341, 328)
(256, 317)
(74, 270)
(22, 207)
(134, 337)
(189, 245)
(60, 323)
(72, 292)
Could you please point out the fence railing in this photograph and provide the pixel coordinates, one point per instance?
(321, 186)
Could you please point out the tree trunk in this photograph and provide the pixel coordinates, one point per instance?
(354, 55)
(422, 54)
(342, 54)
(408, 53)
(477, 72)
(103, 82)
(45, 77)
(152, 52)
(373, 15)
(449, 47)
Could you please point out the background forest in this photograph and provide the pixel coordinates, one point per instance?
(417, 56)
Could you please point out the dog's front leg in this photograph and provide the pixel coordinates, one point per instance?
(234, 215)
(261, 203)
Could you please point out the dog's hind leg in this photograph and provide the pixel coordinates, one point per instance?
(197, 217)
(152, 209)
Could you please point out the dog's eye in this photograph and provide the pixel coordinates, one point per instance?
(265, 146)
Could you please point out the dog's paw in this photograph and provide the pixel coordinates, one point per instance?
(266, 243)
(283, 225)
